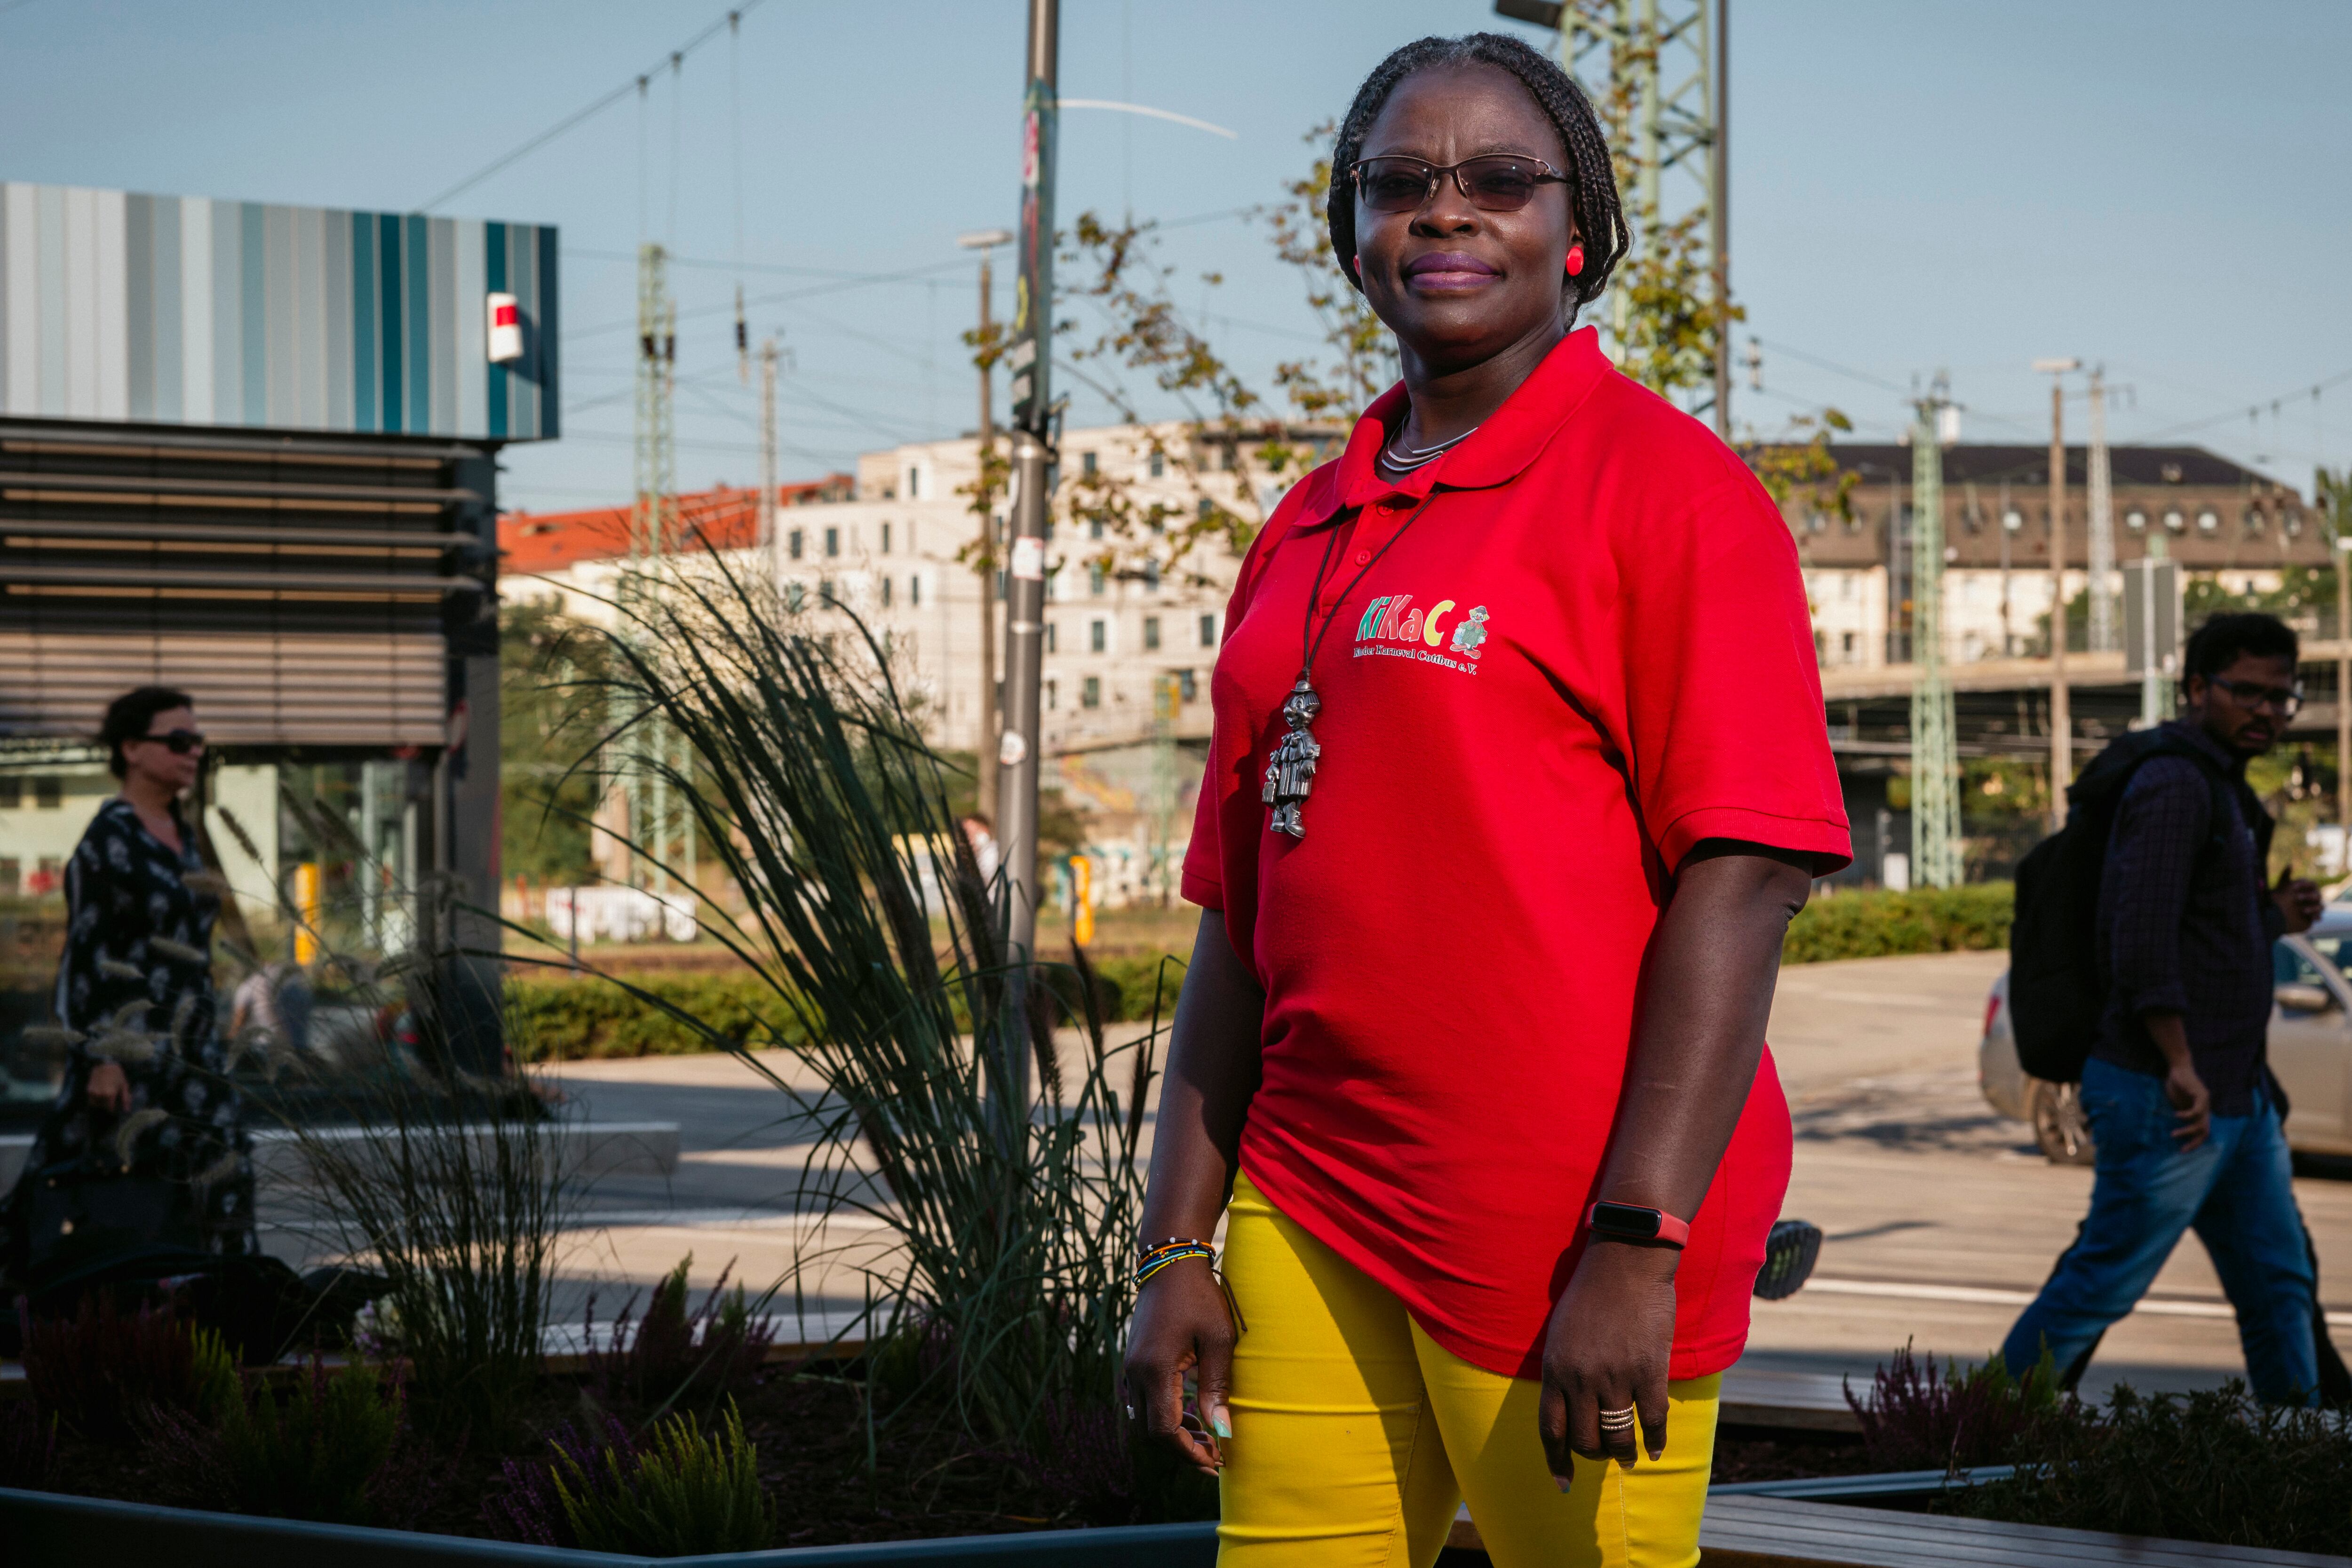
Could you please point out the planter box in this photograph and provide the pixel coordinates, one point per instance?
(51, 1530)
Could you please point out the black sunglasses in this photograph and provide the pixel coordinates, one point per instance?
(1496, 182)
(181, 741)
(2285, 701)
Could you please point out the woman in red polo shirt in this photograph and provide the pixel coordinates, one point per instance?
(1518, 772)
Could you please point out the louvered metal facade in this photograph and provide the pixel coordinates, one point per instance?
(304, 588)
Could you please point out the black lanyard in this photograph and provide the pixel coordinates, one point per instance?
(1310, 638)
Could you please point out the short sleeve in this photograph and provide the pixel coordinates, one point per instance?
(1204, 876)
(1726, 735)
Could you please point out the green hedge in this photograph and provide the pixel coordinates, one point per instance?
(555, 1016)
(559, 1016)
(1876, 925)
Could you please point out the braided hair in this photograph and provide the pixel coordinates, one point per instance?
(1592, 189)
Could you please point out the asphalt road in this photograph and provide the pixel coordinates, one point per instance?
(1941, 1218)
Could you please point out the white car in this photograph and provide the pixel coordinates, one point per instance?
(2310, 1050)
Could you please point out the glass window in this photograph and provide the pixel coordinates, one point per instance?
(1209, 630)
(2209, 520)
(2255, 521)
(11, 792)
(1052, 637)
(886, 593)
(825, 593)
(833, 541)
(1206, 509)
(2136, 520)
(1086, 463)
(915, 590)
(1151, 634)
(793, 544)
(886, 539)
(1158, 465)
(1188, 685)
(2013, 520)
(1098, 635)
(1053, 694)
(1152, 575)
(2173, 521)
(1096, 577)
(49, 793)
(795, 595)
(1090, 694)
(1095, 528)
(914, 483)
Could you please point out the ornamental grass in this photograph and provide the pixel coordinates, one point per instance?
(1011, 1215)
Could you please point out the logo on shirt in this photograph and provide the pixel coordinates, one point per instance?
(1396, 628)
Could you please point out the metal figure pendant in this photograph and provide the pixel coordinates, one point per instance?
(1290, 768)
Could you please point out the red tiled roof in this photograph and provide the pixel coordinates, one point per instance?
(726, 519)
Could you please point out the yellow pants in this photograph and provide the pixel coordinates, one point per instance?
(1356, 1436)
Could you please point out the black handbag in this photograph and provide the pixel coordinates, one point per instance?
(73, 1210)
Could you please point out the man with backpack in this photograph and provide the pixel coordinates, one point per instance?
(2157, 889)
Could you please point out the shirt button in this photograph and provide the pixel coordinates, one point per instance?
(1394, 504)
(1363, 557)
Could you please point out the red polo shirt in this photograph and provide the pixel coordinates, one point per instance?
(1588, 652)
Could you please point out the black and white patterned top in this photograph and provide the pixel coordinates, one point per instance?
(135, 986)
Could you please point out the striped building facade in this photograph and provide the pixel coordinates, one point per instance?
(187, 311)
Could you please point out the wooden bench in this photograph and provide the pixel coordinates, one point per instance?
(1750, 1532)
(1778, 1532)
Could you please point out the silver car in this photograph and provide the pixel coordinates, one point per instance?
(2310, 1050)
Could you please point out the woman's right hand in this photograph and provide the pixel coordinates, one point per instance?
(108, 1088)
(1182, 1324)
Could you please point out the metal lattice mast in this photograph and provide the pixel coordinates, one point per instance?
(1935, 763)
(1655, 69)
(653, 528)
(2102, 523)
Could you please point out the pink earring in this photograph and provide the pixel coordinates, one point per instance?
(1575, 259)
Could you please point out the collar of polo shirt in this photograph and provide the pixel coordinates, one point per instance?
(1495, 453)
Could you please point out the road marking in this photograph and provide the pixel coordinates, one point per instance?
(732, 1219)
(1880, 999)
(1979, 1295)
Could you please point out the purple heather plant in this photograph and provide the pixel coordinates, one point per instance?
(1917, 1418)
(527, 1508)
(656, 1360)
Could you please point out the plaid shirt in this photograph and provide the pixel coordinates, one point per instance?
(2186, 923)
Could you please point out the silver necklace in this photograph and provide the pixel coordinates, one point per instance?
(1418, 456)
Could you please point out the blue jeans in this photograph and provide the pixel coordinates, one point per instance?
(2233, 1188)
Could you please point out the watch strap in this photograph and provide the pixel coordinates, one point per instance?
(1636, 1222)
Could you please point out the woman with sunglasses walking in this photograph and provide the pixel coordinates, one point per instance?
(146, 1093)
(1518, 771)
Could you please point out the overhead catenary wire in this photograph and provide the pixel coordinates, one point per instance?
(582, 116)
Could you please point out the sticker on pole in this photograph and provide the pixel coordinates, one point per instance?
(1029, 560)
(1012, 748)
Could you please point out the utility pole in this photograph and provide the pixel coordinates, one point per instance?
(1658, 72)
(1719, 217)
(652, 532)
(1028, 362)
(1935, 760)
(983, 560)
(2101, 519)
(767, 512)
(2343, 530)
(2061, 718)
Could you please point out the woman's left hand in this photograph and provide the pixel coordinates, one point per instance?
(1611, 1336)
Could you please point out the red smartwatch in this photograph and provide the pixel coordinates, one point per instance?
(1631, 1222)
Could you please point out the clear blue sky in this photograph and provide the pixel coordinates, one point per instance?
(1962, 184)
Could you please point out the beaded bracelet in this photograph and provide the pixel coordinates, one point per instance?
(1160, 1255)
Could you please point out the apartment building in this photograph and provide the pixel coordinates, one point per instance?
(2213, 516)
